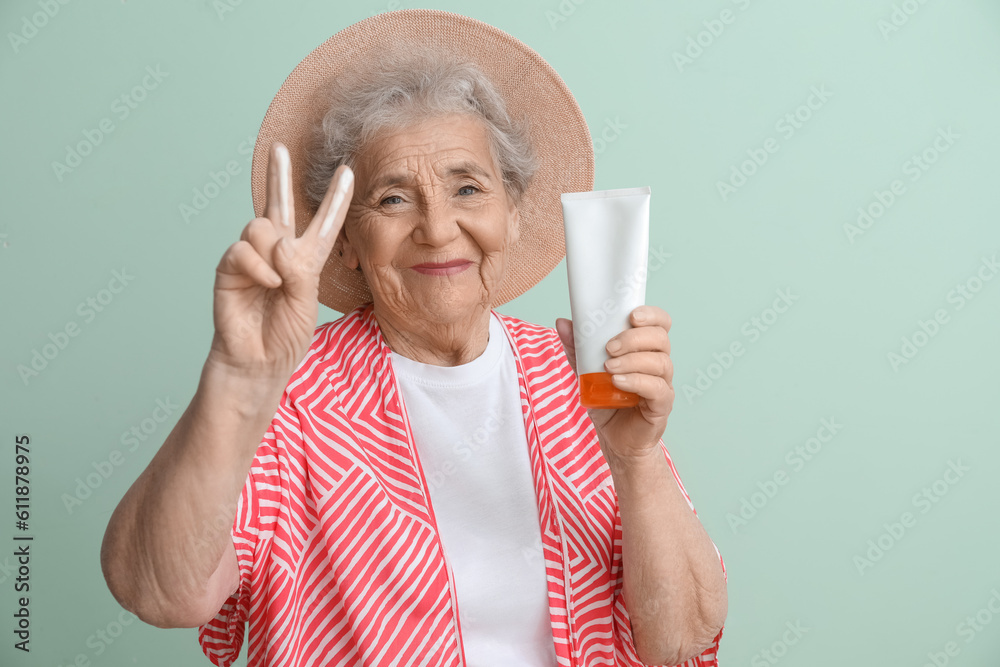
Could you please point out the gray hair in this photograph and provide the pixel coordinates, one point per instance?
(405, 88)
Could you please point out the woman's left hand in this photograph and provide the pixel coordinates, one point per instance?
(640, 363)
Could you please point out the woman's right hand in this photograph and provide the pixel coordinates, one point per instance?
(267, 283)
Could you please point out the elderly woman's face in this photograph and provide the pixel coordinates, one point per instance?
(430, 222)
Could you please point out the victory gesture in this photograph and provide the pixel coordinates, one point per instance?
(266, 284)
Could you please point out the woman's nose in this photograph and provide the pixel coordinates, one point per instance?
(437, 224)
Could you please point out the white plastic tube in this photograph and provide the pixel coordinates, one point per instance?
(607, 245)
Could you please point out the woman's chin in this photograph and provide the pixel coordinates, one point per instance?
(450, 305)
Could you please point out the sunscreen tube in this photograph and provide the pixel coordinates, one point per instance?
(607, 246)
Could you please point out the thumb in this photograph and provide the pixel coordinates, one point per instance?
(288, 265)
(282, 256)
(564, 328)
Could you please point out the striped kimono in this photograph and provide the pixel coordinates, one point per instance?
(339, 556)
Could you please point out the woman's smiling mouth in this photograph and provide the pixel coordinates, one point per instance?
(442, 268)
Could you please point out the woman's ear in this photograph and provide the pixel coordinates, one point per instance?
(346, 251)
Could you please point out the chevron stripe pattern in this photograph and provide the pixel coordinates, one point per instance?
(339, 556)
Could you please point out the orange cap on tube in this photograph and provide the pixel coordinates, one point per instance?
(598, 391)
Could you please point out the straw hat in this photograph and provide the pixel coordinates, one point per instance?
(529, 86)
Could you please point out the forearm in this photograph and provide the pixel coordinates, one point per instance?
(169, 532)
(674, 585)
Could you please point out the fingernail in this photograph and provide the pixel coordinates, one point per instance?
(640, 315)
(614, 346)
(338, 199)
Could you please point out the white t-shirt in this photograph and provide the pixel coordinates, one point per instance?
(469, 433)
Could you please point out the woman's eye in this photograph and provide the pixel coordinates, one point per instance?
(467, 187)
(396, 197)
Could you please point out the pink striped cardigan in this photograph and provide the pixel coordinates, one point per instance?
(340, 561)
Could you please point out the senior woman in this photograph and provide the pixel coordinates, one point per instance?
(416, 483)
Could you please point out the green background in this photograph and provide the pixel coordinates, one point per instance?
(683, 128)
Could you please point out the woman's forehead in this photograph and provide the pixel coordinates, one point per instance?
(444, 149)
(430, 136)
